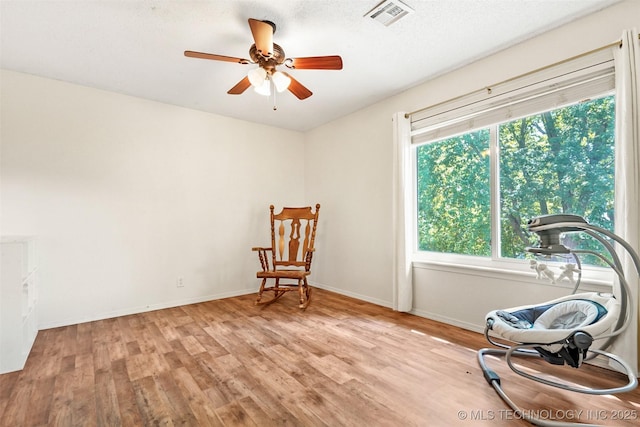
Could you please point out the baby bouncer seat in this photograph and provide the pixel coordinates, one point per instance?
(563, 331)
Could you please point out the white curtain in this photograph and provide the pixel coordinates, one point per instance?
(627, 184)
(402, 214)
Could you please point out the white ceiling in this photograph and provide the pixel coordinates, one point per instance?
(135, 47)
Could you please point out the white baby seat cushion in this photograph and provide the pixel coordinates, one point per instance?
(552, 321)
(570, 314)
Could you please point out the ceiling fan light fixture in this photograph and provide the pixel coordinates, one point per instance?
(257, 77)
(281, 81)
(264, 88)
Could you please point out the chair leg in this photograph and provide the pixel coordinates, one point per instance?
(277, 292)
(305, 293)
(264, 281)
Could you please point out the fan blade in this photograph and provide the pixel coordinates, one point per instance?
(192, 54)
(263, 36)
(333, 62)
(240, 87)
(296, 88)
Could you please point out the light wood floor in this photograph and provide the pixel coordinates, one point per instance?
(342, 362)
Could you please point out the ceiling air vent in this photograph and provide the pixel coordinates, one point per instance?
(389, 11)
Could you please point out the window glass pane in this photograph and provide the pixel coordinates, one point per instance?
(454, 195)
(560, 161)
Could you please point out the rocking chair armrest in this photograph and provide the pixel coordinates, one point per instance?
(262, 255)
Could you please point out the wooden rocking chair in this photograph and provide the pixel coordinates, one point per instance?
(293, 232)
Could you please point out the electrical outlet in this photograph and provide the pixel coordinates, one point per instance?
(179, 283)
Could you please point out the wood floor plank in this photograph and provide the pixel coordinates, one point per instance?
(253, 410)
(125, 393)
(83, 406)
(107, 408)
(16, 409)
(268, 403)
(101, 358)
(154, 334)
(7, 385)
(146, 365)
(332, 367)
(294, 365)
(84, 374)
(204, 340)
(225, 333)
(233, 414)
(286, 390)
(354, 398)
(61, 413)
(198, 400)
(150, 403)
(192, 345)
(222, 379)
(175, 400)
(83, 338)
(193, 366)
(340, 362)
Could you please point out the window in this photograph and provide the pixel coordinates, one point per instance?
(559, 161)
(552, 162)
(453, 194)
(488, 162)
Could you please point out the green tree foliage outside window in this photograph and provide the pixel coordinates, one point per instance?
(454, 195)
(559, 161)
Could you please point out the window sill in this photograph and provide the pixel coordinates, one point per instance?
(593, 279)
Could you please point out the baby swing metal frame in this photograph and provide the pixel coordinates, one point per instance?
(576, 342)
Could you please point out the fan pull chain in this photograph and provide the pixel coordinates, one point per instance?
(275, 107)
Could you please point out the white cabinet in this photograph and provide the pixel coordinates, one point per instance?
(18, 302)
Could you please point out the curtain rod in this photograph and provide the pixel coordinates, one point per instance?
(616, 43)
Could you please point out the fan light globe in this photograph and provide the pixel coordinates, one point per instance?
(257, 76)
(264, 88)
(281, 81)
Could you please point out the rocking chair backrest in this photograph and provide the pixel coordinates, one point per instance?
(293, 233)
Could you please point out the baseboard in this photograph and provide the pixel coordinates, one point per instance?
(448, 320)
(438, 318)
(142, 309)
(352, 295)
(195, 300)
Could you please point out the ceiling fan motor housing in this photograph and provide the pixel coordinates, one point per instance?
(268, 63)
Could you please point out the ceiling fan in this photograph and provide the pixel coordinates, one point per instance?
(268, 56)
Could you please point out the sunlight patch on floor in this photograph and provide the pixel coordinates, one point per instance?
(440, 340)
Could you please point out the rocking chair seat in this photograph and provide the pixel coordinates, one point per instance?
(283, 274)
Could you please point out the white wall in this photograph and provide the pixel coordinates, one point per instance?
(349, 168)
(126, 195)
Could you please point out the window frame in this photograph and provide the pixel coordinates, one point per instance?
(588, 76)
